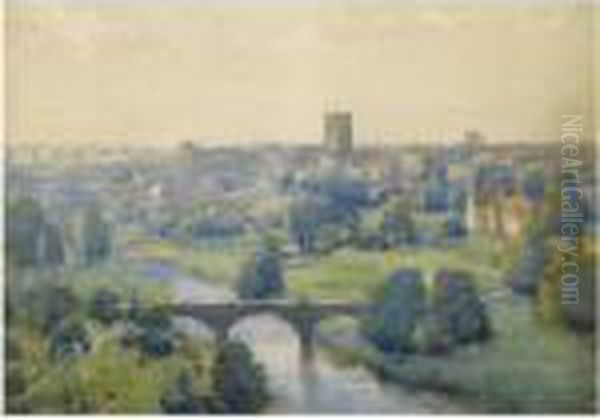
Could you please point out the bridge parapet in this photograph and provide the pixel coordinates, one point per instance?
(303, 316)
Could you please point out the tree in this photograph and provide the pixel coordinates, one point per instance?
(181, 398)
(152, 332)
(53, 252)
(568, 291)
(527, 275)
(262, 276)
(96, 236)
(70, 339)
(397, 226)
(305, 220)
(52, 305)
(15, 381)
(104, 306)
(24, 230)
(459, 312)
(399, 305)
(455, 227)
(239, 382)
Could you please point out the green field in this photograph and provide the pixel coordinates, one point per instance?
(218, 264)
(348, 273)
(352, 274)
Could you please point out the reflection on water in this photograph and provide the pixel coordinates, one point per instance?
(301, 386)
(319, 385)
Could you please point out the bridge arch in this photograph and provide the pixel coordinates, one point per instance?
(263, 326)
(303, 317)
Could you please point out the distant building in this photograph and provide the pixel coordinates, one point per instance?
(337, 135)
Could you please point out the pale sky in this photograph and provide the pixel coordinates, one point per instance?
(106, 71)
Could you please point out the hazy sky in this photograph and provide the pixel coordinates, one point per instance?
(91, 71)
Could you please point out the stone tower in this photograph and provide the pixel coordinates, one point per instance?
(337, 135)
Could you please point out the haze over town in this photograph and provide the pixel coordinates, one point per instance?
(245, 73)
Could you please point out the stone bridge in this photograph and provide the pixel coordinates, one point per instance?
(304, 317)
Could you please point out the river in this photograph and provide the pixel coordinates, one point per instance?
(320, 386)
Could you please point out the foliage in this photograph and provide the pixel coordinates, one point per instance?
(459, 313)
(209, 223)
(305, 219)
(399, 305)
(25, 223)
(52, 305)
(239, 382)
(53, 252)
(181, 397)
(397, 226)
(152, 332)
(31, 239)
(527, 275)
(96, 236)
(262, 276)
(104, 306)
(354, 274)
(328, 211)
(574, 306)
(15, 380)
(69, 339)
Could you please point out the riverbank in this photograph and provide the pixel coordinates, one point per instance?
(526, 368)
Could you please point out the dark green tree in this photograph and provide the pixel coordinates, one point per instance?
(460, 314)
(239, 382)
(262, 276)
(52, 305)
(24, 231)
(152, 332)
(399, 305)
(104, 306)
(53, 251)
(305, 219)
(181, 398)
(398, 226)
(69, 339)
(96, 236)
